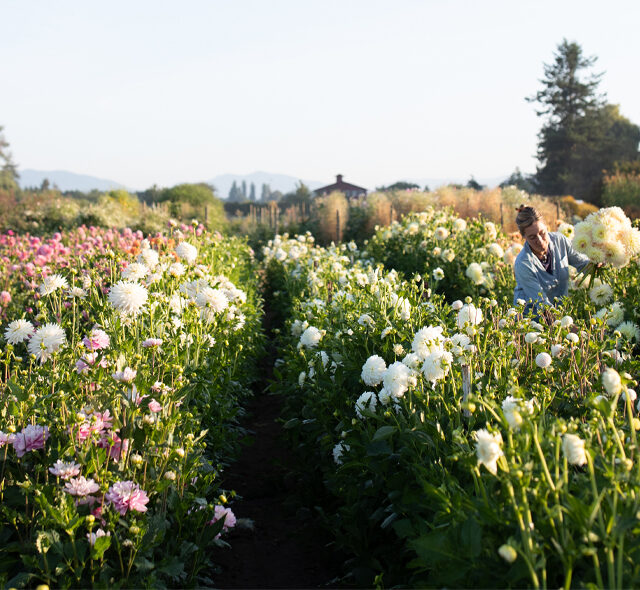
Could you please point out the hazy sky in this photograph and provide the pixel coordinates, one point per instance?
(150, 91)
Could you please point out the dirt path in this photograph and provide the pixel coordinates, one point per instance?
(283, 550)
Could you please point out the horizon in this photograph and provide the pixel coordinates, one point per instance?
(159, 94)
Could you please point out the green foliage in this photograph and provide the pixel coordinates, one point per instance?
(582, 135)
(401, 185)
(8, 169)
(198, 195)
(523, 182)
(199, 377)
(622, 189)
(412, 499)
(301, 196)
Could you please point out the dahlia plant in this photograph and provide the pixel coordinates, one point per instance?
(124, 367)
(461, 442)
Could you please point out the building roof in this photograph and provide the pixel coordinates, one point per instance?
(340, 185)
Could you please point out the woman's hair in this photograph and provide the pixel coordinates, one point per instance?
(526, 216)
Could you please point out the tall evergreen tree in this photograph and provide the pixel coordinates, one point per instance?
(244, 190)
(8, 170)
(567, 101)
(582, 135)
(234, 193)
(266, 192)
(252, 193)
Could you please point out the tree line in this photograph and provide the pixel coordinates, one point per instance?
(586, 147)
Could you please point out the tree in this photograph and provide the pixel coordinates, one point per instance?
(235, 194)
(401, 185)
(582, 134)
(8, 171)
(194, 194)
(266, 193)
(517, 179)
(472, 183)
(252, 193)
(301, 195)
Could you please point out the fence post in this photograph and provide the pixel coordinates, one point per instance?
(337, 226)
(206, 215)
(501, 217)
(557, 212)
(390, 214)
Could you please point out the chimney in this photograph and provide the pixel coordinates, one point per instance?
(338, 178)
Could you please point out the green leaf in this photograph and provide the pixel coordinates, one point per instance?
(471, 534)
(173, 568)
(383, 433)
(20, 393)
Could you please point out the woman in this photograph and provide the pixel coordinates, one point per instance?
(542, 267)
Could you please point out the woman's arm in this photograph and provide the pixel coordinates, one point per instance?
(574, 257)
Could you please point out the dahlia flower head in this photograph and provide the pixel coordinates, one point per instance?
(185, 251)
(53, 283)
(606, 236)
(488, 449)
(18, 331)
(222, 512)
(128, 297)
(127, 495)
(47, 340)
(31, 438)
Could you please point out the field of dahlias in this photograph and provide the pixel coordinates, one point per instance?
(445, 436)
(461, 442)
(125, 364)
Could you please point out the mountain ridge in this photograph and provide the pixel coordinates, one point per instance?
(69, 181)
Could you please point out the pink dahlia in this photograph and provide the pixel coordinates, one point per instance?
(127, 495)
(31, 438)
(227, 514)
(96, 340)
(6, 439)
(117, 447)
(65, 470)
(152, 343)
(80, 486)
(154, 406)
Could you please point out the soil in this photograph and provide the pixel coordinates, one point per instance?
(284, 548)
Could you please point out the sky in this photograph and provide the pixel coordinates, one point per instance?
(147, 92)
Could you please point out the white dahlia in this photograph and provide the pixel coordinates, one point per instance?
(136, 271)
(46, 340)
(373, 370)
(488, 449)
(18, 331)
(53, 283)
(427, 340)
(128, 297)
(213, 299)
(185, 251)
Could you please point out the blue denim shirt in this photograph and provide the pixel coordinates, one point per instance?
(534, 284)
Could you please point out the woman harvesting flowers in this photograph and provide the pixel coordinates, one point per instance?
(542, 267)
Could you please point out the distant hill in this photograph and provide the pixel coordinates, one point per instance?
(276, 182)
(66, 181)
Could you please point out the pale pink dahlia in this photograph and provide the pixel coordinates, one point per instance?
(96, 340)
(65, 470)
(227, 514)
(80, 486)
(30, 438)
(127, 495)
